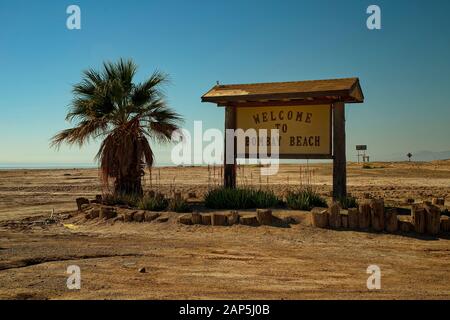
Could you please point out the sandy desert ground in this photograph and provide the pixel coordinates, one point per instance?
(204, 262)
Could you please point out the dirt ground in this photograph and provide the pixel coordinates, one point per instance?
(204, 262)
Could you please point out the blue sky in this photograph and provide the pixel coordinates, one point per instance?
(404, 68)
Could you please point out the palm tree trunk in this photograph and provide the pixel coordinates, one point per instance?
(129, 185)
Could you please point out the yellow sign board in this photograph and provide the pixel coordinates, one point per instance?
(304, 131)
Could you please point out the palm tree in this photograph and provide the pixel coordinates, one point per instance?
(108, 105)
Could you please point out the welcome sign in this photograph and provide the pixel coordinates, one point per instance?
(304, 131)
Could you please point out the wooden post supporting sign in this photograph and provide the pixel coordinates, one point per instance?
(339, 158)
(230, 168)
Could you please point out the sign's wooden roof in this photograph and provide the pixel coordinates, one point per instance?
(316, 91)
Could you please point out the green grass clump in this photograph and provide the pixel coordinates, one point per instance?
(121, 200)
(304, 199)
(240, 198)
(348, 202)
(158, 203)
(179, 206)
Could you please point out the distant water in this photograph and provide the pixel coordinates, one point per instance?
(38, 165)
(9, 166)
(30, 166)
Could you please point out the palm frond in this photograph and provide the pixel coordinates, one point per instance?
(80, 134)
